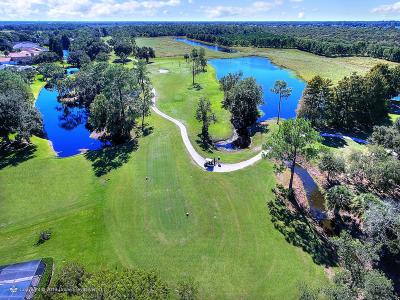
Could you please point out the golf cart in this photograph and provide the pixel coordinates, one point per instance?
(209, 163)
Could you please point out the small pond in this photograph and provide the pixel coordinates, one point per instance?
(65, 125)
(266, 73)
(205, 45)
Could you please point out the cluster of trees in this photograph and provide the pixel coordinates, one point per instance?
(198, 62)
(85, 48)
(115, 96)
(18, 116)
(74, 281)
(387, 136)
(375, 169)
(356, 102)
(241, 98)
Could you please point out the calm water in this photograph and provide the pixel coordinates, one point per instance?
(266, 73)
(65, 125)
(204, 45)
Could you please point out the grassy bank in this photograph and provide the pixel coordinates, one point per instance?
(228, 243)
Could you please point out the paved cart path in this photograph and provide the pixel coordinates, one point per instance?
(197, 158)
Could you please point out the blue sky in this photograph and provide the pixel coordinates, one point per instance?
(196, 10)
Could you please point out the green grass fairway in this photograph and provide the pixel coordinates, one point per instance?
(179, 99)
(228, 243)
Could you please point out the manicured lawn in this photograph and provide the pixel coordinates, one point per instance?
(179, 99)
(228, 243)
(37, 85)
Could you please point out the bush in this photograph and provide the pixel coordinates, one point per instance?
(45, 279)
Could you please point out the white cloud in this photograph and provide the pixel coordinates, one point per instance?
(296, 1)
(388, 8)
(81, 9)
(221, 11)
(301, 15)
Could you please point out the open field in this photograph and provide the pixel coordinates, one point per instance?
(168, 47)
(228, 243)
(307, 65)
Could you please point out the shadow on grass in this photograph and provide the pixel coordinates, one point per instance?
(111, 158)
(196, 87)
(299, 231)
(334, 142)
(147, 130)
(205, 144)
(12, 155)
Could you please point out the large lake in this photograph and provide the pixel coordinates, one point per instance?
(64, 125)
(205, 45)
(266, 73)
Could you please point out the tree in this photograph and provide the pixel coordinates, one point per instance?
(202, 59)
(280, 88)
(339, 198)
(78, 58)
(142, 76)
(295, 137)
(316, 99)
(46, 57)
(125, 284)
(206, 116)
(355, 257)
(17, 113)
(377, 286)
(382, 226)
(65, 42)
(56, 46)
(52, 73)
(123, 49)
(194, 55)
(186, 57)
(115, 110)
(145, 53)
(227, 84)
(242, 102)
(332, 164)
(187, 290)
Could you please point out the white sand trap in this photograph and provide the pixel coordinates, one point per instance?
(164, 71)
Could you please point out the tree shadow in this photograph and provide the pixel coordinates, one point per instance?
(196, 87)
(205, 144)
(147, 130)
(299, 231)
(13, 155)
(110, 158)
(334, 142)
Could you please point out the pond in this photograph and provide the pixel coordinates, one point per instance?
(205, 45)
(315, 198)
(65, 125)
(266, 73)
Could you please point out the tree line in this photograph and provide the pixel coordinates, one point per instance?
(355, 103)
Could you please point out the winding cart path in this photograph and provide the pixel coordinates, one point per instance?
(197, 158)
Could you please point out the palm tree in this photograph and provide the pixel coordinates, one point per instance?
(280, 88)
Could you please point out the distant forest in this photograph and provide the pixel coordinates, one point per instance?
(372, 39)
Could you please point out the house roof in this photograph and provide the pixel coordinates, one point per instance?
(20, 54)
(4, 59)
